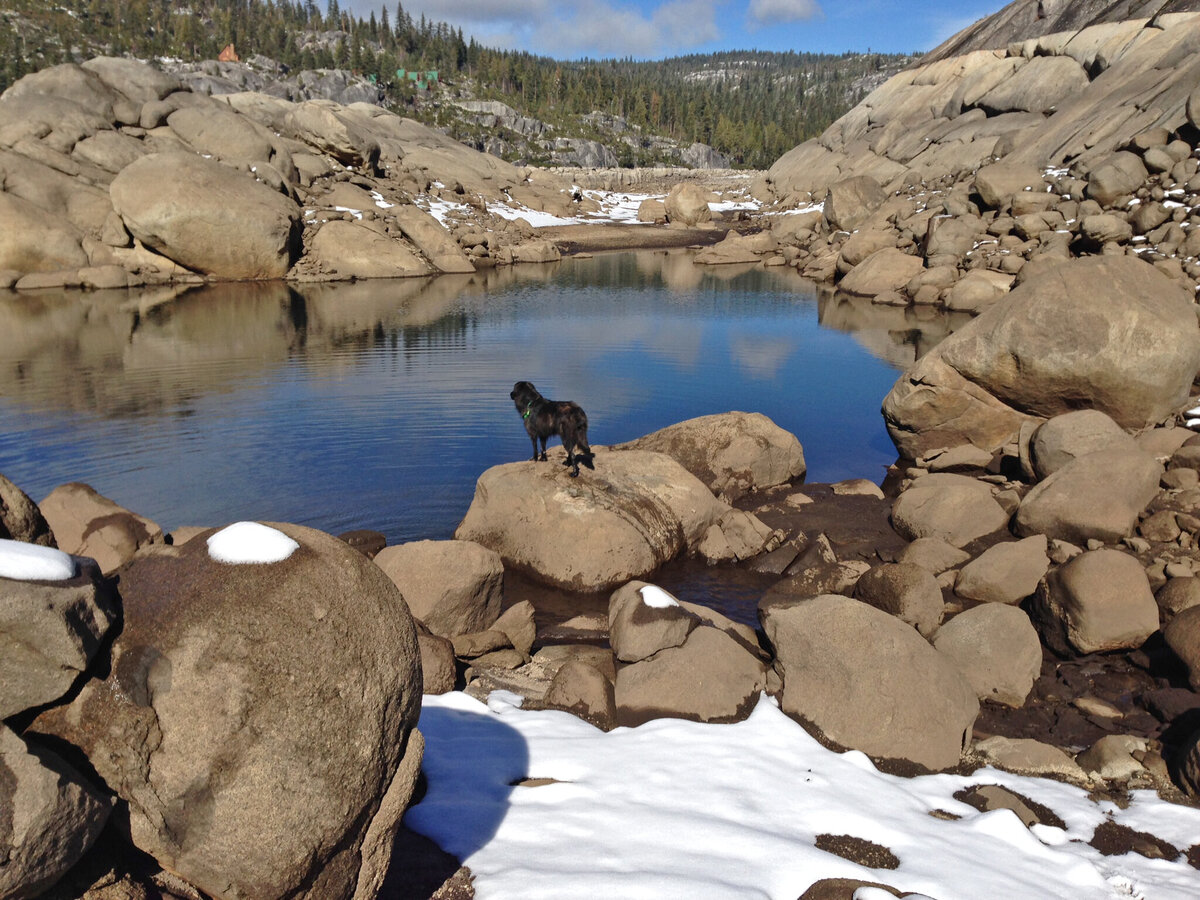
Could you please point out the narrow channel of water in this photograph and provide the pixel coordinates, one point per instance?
(377, 404)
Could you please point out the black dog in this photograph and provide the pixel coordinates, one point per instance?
(546, 418)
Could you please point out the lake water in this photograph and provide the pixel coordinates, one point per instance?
(378, 404)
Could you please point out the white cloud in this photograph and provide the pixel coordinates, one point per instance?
(762, 13)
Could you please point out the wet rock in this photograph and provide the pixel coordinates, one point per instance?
(1099, 601)
(85, 523)
(453, 587)
(997, 648)
(868, 681)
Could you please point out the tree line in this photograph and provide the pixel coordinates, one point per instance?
(752, 106)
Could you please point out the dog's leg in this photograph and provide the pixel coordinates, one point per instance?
(533, 438)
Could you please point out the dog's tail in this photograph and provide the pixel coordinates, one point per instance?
(584, 454)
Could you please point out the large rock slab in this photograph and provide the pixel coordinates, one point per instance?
(1107, 333)
(242, 698)
(851, 201)
(954, 508)
(49, 817)
(453, 587)
(868, 681)
(355, 250)
(997, 183)
(86, 523)
(732, 453)
(34, 240)
(623, 520)
(1100, 600)
(1098, 496)
(207, 217)
(334, 130)
(49, 632)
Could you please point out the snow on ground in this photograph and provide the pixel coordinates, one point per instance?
(682, 809)
(615, 207)
(29, 562)
(250, 542)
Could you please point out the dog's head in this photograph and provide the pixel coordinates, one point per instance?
(523, 392)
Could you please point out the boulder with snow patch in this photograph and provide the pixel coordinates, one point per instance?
(49, 817)
(1097, 496)
(86, 523)
(1007, 572)
(1099, 601)
(997, 648)
(644, 619)
(954, 508)
(634, 512)
(49, 630)
(244, 696)
(868, 681)
(732, 453)
(453, 587)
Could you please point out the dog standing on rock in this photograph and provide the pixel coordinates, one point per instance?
(546, 418)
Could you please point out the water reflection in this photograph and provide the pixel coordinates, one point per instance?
(377, 404)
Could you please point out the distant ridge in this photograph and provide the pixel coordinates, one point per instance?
(1025, 19)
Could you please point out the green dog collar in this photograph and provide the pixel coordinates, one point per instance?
(528, 410)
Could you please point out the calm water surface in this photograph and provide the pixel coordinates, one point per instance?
(377, 404)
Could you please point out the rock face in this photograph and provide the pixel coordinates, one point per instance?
(49, 632)
(453, 587)
(241, 698)
(235, 227)
(868, 681)
(1108, 333)
(49, 817)
(89, 524)
(1098, 601)
(637, 510)
(732, 453)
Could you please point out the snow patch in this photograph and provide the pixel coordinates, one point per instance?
(683, 809)
(655, 597)
(21, 561)
(250, 542)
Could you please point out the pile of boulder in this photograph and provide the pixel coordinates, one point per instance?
(114, 173)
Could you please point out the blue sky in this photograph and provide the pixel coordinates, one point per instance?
(653, 29)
